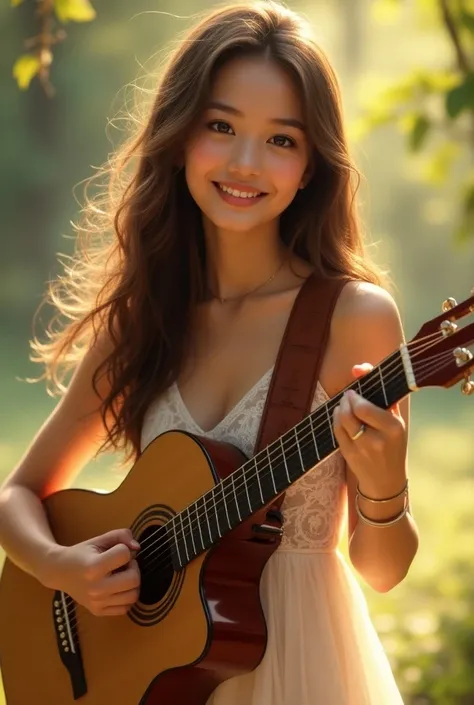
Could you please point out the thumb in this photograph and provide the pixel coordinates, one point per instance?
(114, 537)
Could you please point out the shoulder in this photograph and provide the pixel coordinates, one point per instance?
(365, 302)
(365, 327)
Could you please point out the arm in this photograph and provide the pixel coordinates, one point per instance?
(67, 440)
(61, 448)
(366, 329)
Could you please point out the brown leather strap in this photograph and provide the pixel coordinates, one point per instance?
(299, 360)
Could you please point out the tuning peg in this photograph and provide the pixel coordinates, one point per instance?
(449, 304)
(467, 387)
(462, 356)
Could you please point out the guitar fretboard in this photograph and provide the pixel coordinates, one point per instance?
(271, 471)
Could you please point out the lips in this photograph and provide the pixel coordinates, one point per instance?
(238, 196)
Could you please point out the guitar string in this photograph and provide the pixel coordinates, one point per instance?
(187, 530)
(187, 533)
(75, 622)
(210, 501)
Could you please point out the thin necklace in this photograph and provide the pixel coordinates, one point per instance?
(224, 300)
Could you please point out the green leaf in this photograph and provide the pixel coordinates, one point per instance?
(467, 20)
(75, 10)
(420, 126)
(461, 97)
(25, 69)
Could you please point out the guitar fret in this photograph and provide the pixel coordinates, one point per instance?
(259, 481)
(383, 387)
(235, 496)
(271, 470)
(207, 517)
(198, 518)
(284, 460)
(183, 534)
(215, 511)
(298, 447)
(244, 474)
(330, 424)
(311, 421)
(224, 499)
(191, 531)
(175, 536)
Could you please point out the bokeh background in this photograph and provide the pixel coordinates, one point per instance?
(406, 72)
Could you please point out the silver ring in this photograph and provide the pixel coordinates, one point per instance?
(359, 432)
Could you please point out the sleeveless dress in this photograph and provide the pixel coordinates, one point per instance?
(322, 647)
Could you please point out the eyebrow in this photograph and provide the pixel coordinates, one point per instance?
(287, 122)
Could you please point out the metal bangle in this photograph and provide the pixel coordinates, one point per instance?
(381, 523)
(382, 501)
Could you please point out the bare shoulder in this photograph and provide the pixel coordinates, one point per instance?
(366, 327)
(363, 301)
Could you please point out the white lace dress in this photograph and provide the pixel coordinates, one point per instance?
(322, 647)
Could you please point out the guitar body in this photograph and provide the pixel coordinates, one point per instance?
(191, 628)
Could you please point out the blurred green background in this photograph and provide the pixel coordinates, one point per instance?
(409, 101)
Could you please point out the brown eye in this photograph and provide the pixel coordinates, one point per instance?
(283, 141)
(220, 126)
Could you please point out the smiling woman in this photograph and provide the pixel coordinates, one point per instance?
(238, 190)
(240, 151)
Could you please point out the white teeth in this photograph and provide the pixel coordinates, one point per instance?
(238, 194)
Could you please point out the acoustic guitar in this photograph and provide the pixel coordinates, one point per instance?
(202, 515)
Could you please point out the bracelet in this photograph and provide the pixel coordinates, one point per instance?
(381, 523)
(382, 501)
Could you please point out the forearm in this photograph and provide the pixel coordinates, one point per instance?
(25, 534)
(383, 555)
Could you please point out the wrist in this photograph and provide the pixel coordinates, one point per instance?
(390, 489)
(47, 569)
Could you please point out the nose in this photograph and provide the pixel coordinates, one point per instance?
(246, 158)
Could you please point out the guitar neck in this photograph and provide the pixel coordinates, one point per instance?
(275, 468)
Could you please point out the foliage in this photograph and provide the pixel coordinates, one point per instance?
(434, 108)
(50, 14)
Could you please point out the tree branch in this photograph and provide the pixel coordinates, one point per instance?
(462, 61)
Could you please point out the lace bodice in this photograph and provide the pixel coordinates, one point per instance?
(313, 508)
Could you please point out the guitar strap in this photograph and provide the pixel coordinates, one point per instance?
(299, 360)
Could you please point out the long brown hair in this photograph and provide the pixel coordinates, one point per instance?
(139, 268)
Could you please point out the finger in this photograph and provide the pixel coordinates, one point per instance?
(125, 580)
(346, 419)
(114, 558)
(114, 537)
(369, 413)
(129, 597)
(362, 369)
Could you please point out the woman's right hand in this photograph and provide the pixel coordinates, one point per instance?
(101, 574)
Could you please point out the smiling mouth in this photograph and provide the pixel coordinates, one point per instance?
(244, 195)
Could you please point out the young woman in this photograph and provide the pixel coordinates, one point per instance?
(238, 188)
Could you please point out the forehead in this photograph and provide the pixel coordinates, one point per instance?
(257, 87)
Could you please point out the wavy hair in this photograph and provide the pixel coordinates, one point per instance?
(138, 271)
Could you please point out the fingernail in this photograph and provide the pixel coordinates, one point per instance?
(135, 545)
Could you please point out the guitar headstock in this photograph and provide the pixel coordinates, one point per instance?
(439, 353)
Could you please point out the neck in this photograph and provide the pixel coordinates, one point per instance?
(237, 262)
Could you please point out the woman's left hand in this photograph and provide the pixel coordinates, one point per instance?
(377, 457)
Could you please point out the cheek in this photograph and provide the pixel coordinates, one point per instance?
(202, 156)
(287, 174)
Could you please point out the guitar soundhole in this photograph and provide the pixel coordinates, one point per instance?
(161, 584)
(155, 564)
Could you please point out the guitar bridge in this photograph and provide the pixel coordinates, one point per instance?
(64, 616)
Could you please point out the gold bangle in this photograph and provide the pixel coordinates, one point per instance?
(382, 501)
(381, 523)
